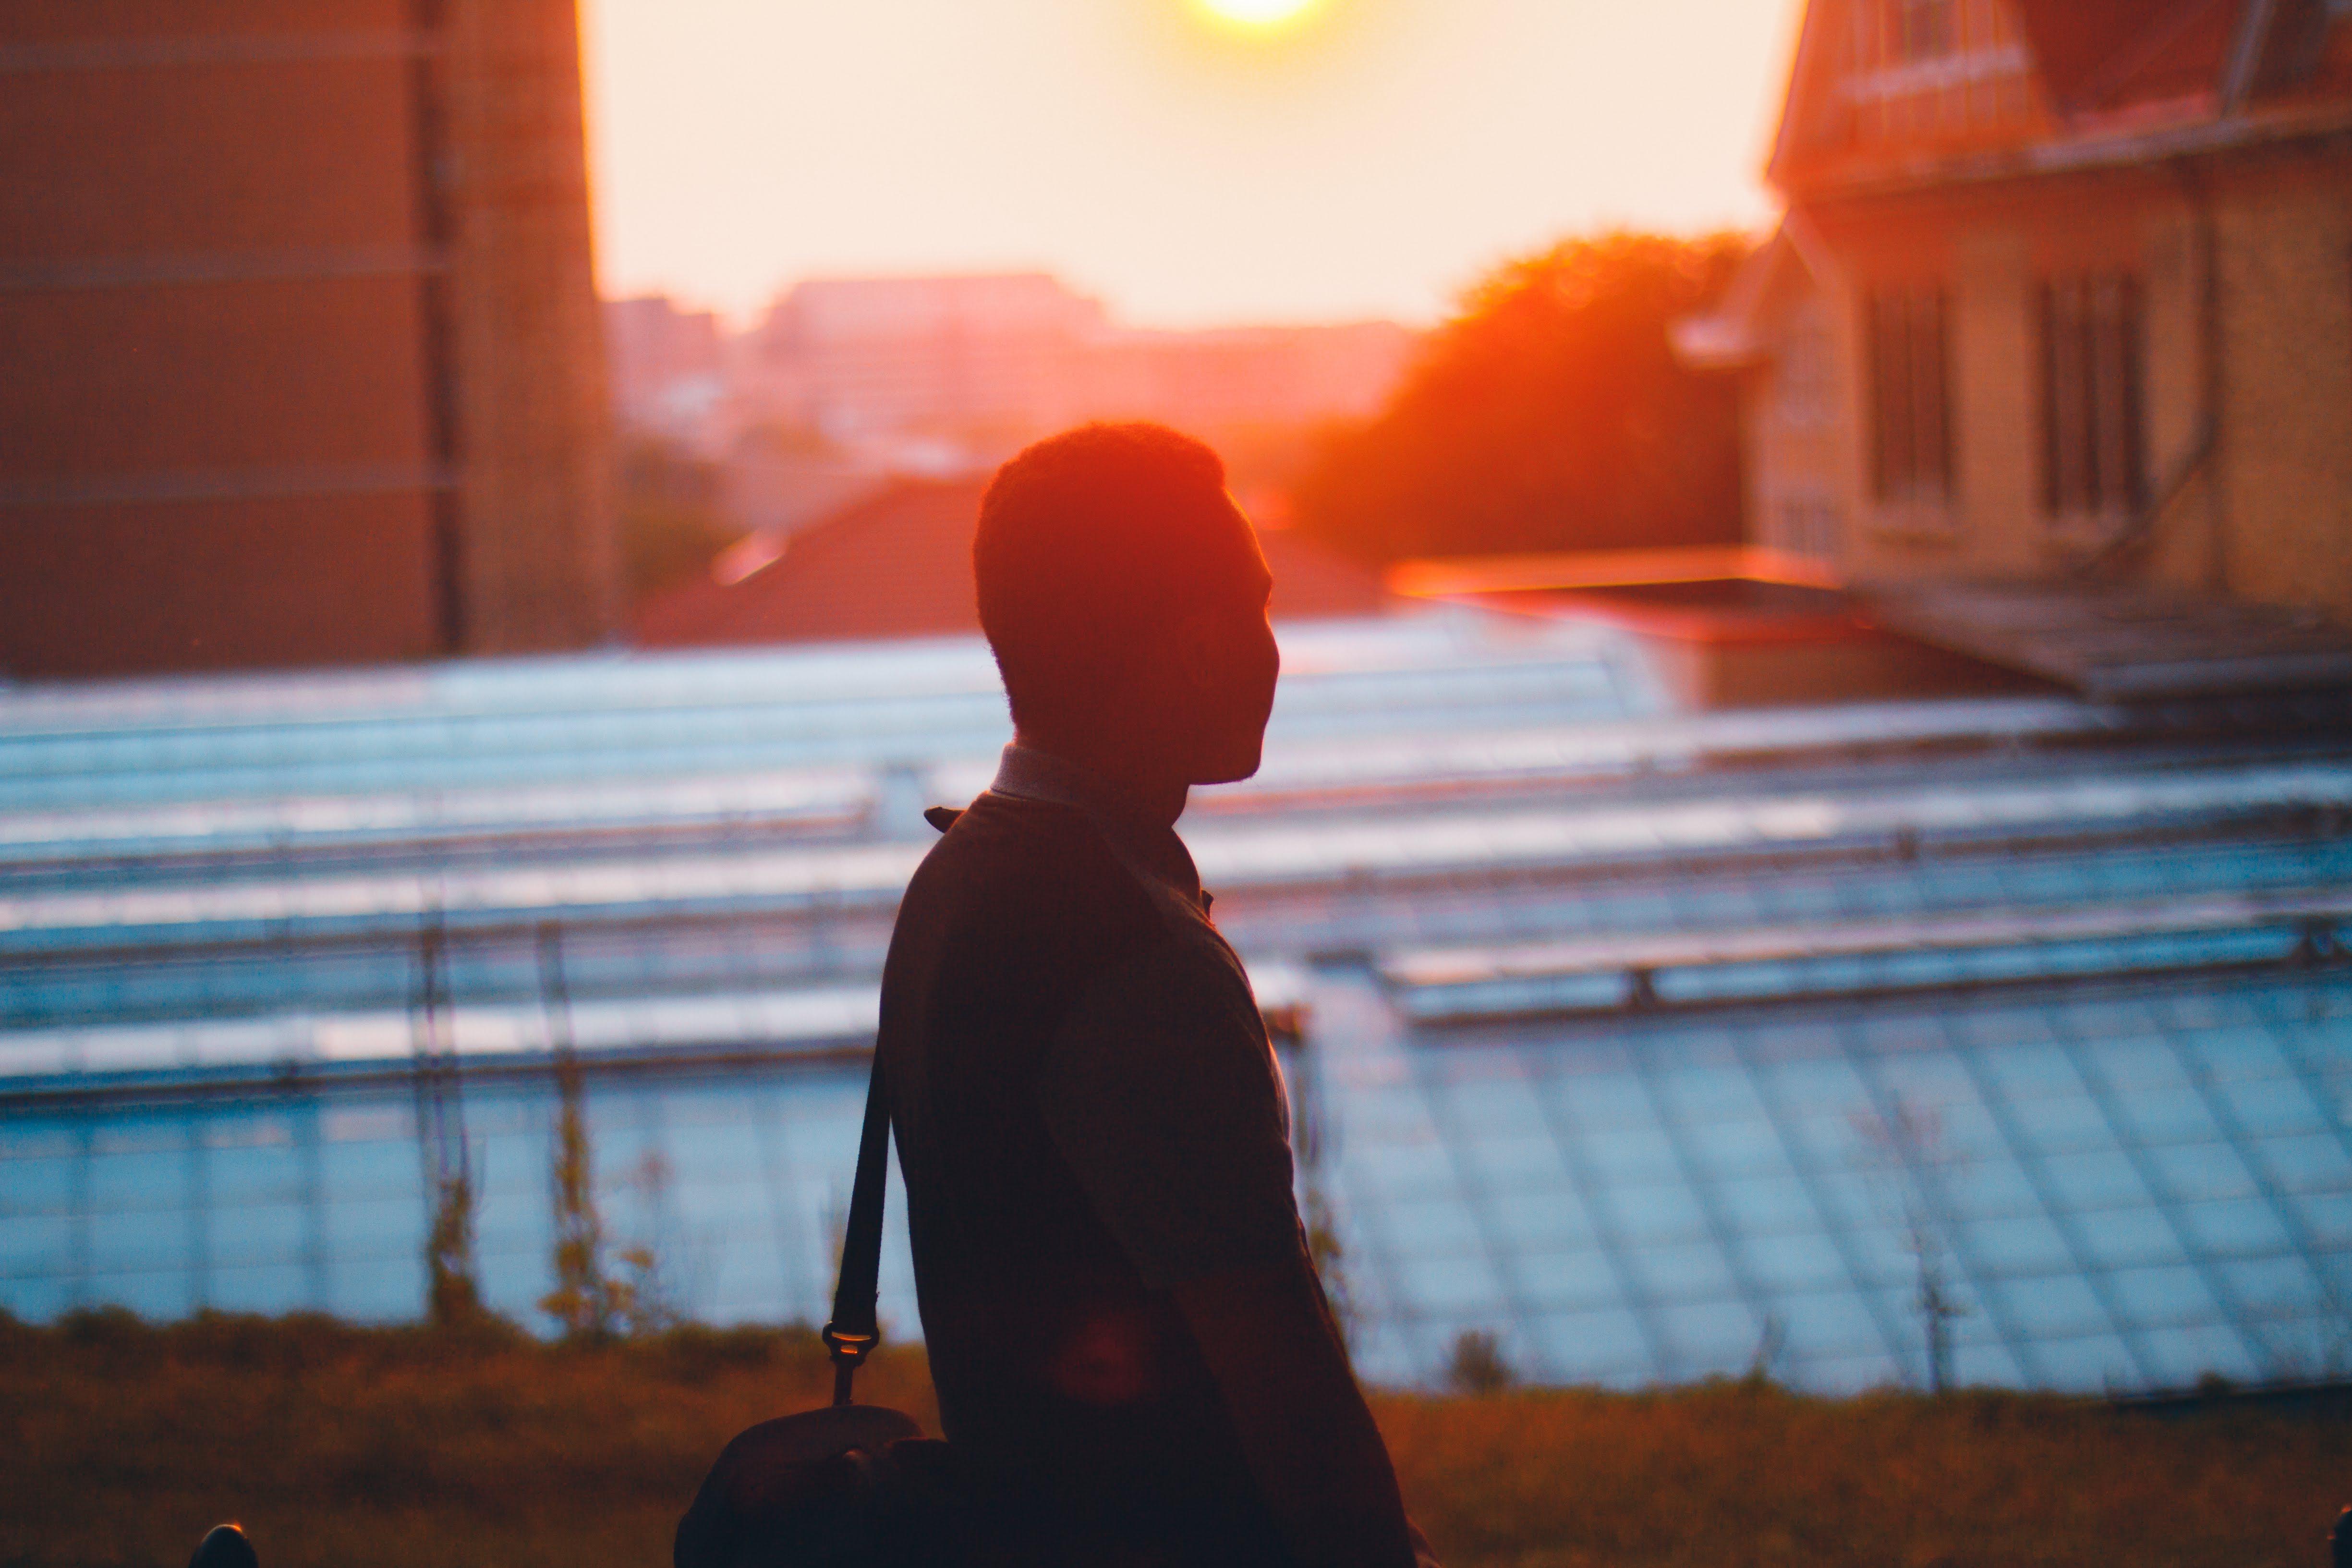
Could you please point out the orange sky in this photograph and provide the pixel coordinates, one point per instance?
(1371, 159)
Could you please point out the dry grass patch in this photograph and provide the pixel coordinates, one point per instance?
(383, 1448)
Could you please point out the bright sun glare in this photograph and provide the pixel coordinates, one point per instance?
(1258, 12)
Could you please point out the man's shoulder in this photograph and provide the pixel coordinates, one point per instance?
(1016, 860)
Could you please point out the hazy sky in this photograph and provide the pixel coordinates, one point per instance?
(1370, 158)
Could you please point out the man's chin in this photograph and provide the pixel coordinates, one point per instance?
(1232, 770)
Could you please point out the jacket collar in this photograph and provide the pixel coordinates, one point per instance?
(1025, 773)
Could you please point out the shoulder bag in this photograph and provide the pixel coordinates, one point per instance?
(847, 1486)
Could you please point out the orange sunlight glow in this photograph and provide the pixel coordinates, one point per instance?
(1258, 12)
(1194, 163)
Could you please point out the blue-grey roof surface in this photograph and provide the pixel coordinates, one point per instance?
(1659, 1045)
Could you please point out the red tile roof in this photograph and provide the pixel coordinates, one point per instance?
(898, 564)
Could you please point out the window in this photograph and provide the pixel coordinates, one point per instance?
(1810, 526)
(1911, 427)
(1923, 29)
(2091, 395)
(1804, 377)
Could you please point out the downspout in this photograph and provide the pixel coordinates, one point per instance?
(2250, 39)
(2210, 348)
(2141, 526)
(2238, 80)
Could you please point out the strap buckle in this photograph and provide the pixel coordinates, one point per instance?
(849, 1350)
(849, 1345)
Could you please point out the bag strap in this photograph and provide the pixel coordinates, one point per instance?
(853, 1333)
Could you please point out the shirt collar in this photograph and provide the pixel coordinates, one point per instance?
(1028, 773)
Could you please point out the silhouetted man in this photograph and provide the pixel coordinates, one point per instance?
(1132, 1354)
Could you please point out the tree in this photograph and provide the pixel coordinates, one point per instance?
(1907, 1144)
(583, 1299)
(1550, 414)
(670, 518)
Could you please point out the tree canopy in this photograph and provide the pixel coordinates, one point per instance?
(671, 523)
(1549, 414)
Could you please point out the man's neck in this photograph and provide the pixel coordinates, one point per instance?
(1153, 793)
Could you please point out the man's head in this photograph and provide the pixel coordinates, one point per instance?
(1124, 595)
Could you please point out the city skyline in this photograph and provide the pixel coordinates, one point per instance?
(1371, 158)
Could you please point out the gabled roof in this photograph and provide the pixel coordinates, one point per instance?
(2020, 85)
(898, 564)
(1810, 80)
(1738, 333)
(2095, 54)
(2099, 55)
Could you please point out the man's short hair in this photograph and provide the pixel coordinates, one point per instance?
(1086, 540)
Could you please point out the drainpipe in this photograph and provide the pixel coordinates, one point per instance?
(2211, 378)
(2198, 458)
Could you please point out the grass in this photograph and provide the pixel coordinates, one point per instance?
(354, 1447)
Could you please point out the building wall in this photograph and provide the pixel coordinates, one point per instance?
(2268, 515)
(2285, 258)
(225, 429)
(253, 580)
(211, 409)
(1797, 414)
(538, 565)
(2175, 248)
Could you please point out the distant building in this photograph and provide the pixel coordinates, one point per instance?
(851, 384)
(967, 368)
(861, 358)
(1242, 375)
(667, 366)
(2061, 291)
(303, 354)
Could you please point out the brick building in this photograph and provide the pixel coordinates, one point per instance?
(303, 353)
(2063, 291)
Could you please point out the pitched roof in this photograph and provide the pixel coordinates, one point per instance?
(2099, 53)
(1736, 333)
(2022, 77)
(898, 564)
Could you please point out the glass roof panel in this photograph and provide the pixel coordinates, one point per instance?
(1576, 1280)
(2140, 1166)
(1540, 1220)
(1786, 1261)
(2130, 1238)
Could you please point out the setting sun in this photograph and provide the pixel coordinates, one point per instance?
(1258, 12)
